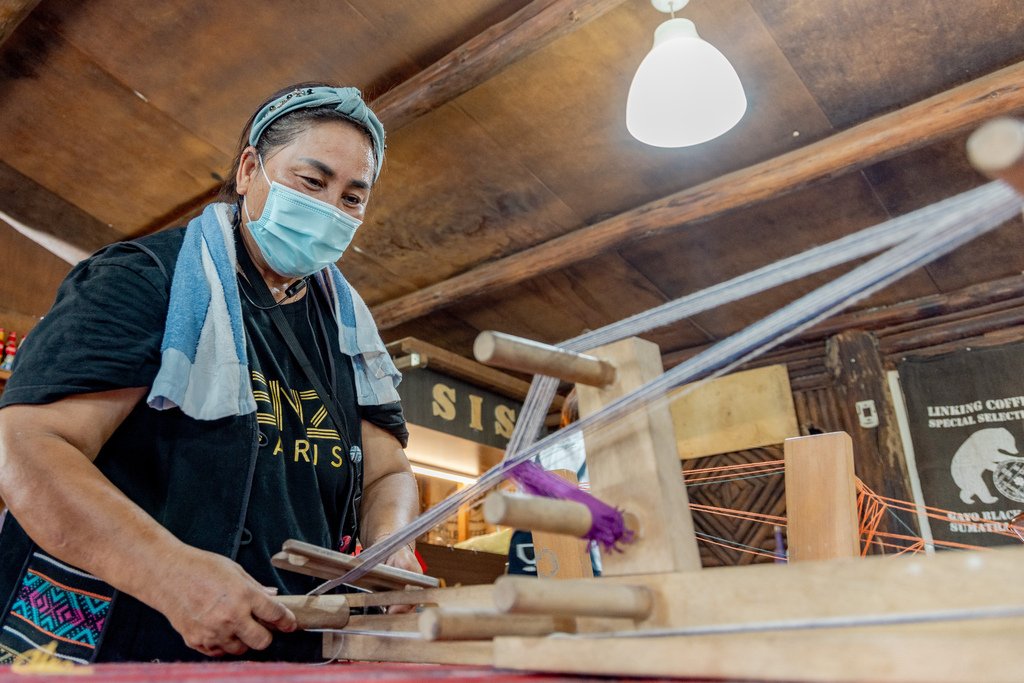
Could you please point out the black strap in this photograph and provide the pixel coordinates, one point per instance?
(266, 302)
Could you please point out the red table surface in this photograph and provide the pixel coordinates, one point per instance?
(243, 672)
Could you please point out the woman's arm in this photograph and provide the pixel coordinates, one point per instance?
(67, 506)
(390, 496)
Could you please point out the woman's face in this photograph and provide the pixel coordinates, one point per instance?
(331, 161)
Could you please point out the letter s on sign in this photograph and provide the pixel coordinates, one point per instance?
(443, 405)
(504, 421)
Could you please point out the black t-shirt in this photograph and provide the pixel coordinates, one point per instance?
(104, 332)
(301, 449)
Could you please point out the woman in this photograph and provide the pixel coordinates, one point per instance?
(198, 396)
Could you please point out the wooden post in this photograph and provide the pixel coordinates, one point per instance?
(854, 361)
(634, 465)
(821, 498)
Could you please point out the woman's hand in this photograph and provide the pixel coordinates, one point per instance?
(216, 607)
(403, 559)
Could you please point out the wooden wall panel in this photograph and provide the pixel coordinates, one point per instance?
(740, 411)
(855, 55)
(427, 31)
(33, 205)
(104, 149)
(818, 411)
(450, 197)
(247, 52)
(29, 275)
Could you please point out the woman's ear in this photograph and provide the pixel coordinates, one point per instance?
(248, 166)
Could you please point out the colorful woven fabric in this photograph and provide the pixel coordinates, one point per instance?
(59, 603)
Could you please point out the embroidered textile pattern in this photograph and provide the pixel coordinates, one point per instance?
(60, 612)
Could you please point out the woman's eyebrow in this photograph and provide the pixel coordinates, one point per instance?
(329, 172)
(320, 166)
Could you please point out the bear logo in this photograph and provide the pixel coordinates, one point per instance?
(983, 450)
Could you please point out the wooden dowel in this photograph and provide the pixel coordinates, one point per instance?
(311, 567)
(468, 597)
(524, 355)
(538, 513)
(571, 598)
(997, 150)
(441, 624)
(317, 611)
(346, 562)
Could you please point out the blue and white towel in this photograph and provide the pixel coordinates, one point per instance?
(204, 366)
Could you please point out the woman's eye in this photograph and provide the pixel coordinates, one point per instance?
(312, 182)
(353, 200)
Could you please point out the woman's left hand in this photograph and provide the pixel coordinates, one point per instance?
(403, 559)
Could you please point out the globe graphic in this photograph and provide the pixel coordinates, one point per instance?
(1009, 479)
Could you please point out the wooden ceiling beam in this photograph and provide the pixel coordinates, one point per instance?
(868, 143)
(37, 207)
(483, 56)
(472, 63)
(12, 13)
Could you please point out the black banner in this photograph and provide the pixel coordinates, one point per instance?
(966, 414)
(449, 405)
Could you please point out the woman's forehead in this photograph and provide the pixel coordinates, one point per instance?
(331, 143)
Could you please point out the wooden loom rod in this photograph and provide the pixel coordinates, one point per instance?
(345, 562)
(525, 355)
(317, 611)
(303, 565)
(444, 624)
(997, 150)
(538, 513)
(584, 597)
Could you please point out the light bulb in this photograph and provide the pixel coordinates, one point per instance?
(685, 91)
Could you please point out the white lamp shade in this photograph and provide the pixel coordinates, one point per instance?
(685, 91)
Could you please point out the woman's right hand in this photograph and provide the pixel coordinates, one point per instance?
(216, 606)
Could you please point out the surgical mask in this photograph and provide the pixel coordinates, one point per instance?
(299, 235)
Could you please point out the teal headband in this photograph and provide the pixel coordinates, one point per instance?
(347, 101)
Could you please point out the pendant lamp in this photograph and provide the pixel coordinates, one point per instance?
(685, 92)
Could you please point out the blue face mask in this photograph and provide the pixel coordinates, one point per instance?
(299, 235)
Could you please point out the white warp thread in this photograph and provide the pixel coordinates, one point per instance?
(919, 237)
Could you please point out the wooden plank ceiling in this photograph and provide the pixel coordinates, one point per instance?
(118, 118)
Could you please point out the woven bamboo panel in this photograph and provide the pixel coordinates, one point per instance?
(763, 494)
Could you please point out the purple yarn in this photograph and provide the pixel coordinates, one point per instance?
(608, 527)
